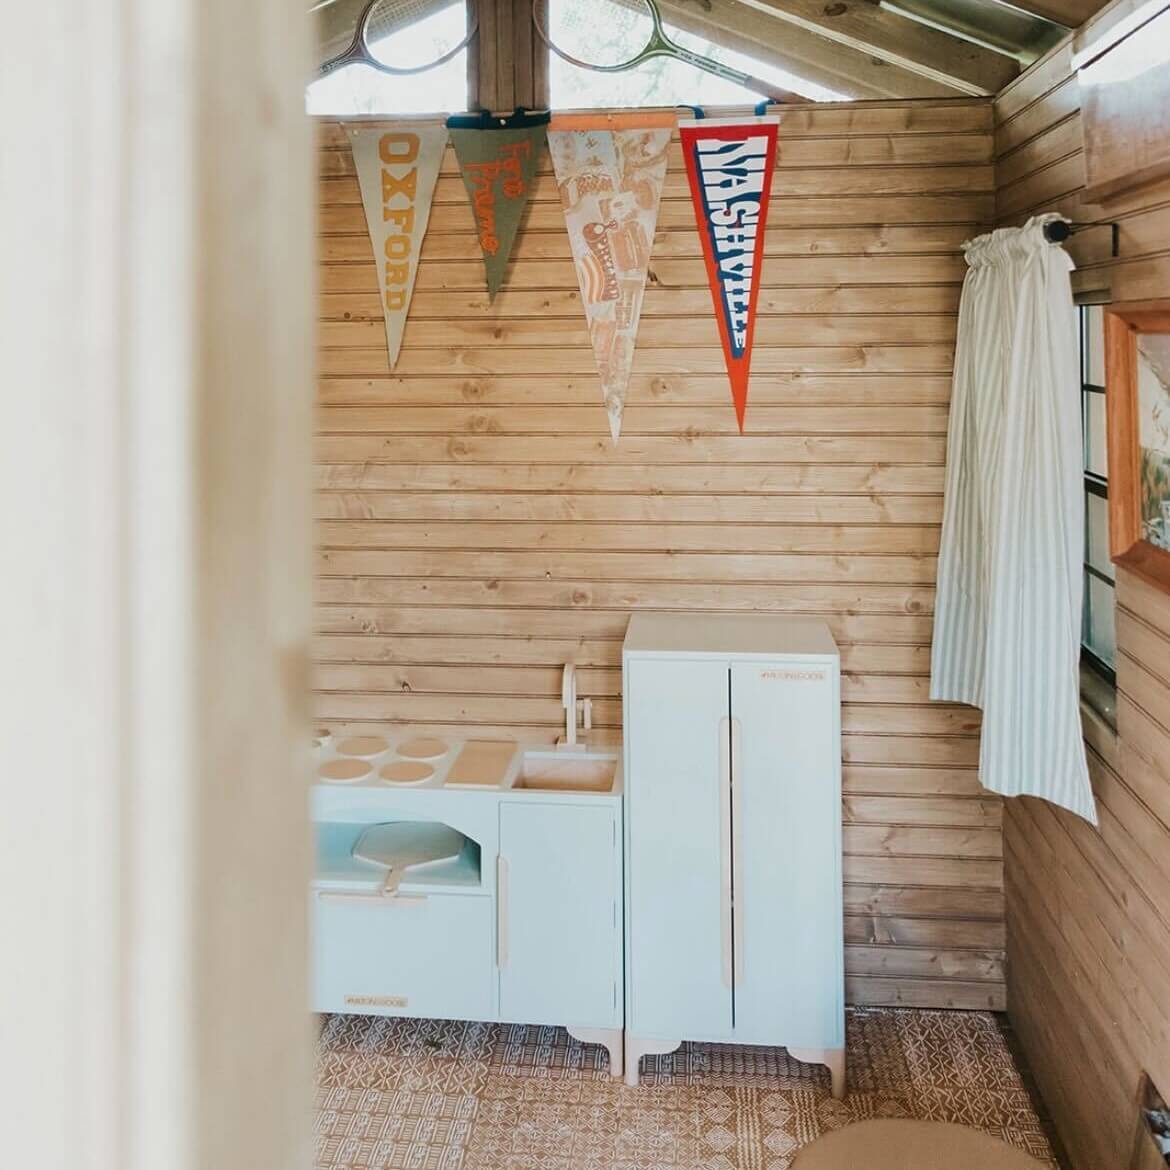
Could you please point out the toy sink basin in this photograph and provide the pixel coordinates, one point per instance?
(552, 771)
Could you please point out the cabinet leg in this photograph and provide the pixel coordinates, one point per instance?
(611, 1039)
(639, 1046)
(832, 1058)
(835, 1059)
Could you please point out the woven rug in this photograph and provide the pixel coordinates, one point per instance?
(440, 1095)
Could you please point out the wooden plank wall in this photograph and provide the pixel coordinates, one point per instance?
(1088, 911)
(476, 526)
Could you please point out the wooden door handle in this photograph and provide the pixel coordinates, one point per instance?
(737, 885)
(501, 911)
(378, 899)
(727, 965)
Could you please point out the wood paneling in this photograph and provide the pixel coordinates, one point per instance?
(1125, 112)
(1089, 911)
(476, 526)
(508, 70)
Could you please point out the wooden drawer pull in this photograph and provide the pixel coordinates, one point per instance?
(372, 899)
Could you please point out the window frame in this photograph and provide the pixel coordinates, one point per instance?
(1092, 485)
(1129, 544)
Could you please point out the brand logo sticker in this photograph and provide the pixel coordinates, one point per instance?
(794, 675)
(392, 1001)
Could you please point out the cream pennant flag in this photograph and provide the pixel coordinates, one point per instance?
(397, 168)
(610, 182)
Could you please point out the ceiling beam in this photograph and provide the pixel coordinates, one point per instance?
(1071, 13)
(807, 54)
(866, 28)
(767, 55)
(1001, 27)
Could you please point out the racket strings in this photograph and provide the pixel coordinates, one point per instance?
(600, 32)
(414, 33)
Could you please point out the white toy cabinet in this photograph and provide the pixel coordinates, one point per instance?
(522, 926)
(733, 836)
(559, 921)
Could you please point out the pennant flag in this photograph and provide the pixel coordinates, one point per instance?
(498, 168)
(397, 169)
(729, 164)
(610, 182)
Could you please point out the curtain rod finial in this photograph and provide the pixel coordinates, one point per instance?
(1056, 231)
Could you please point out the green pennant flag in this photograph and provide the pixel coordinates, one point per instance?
(498, 168)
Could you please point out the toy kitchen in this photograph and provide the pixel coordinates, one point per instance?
(683, 885)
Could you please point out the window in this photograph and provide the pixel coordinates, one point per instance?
(611, 31)
(362, 89)
(1097, 626)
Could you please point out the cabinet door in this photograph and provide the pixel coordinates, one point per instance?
(679, 925)
(787, 811)
(413, 955)
(559, 924)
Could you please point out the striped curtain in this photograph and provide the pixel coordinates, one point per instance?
(1008, 612)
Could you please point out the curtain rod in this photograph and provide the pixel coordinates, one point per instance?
(1059, 230)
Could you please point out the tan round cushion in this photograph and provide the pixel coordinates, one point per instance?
(911, 1145)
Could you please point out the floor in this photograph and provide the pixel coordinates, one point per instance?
(440, 1095)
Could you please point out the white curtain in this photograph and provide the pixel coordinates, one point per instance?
(1008, 612)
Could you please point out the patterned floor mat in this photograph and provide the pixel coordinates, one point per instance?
(443, 1095)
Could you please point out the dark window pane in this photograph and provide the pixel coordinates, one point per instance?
(1099, 634)
(1093, 317)
(1097, 534)
(1096, 456)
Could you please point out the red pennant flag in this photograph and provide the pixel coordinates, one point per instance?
(729, 164)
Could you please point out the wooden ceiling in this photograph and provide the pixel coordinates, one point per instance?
(860, 48)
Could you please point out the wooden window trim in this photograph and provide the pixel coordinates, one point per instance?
(1127, 547)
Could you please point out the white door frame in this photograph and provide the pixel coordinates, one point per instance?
(156, 336)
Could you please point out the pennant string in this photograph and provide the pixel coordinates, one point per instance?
(613, 120)
(521, 118)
